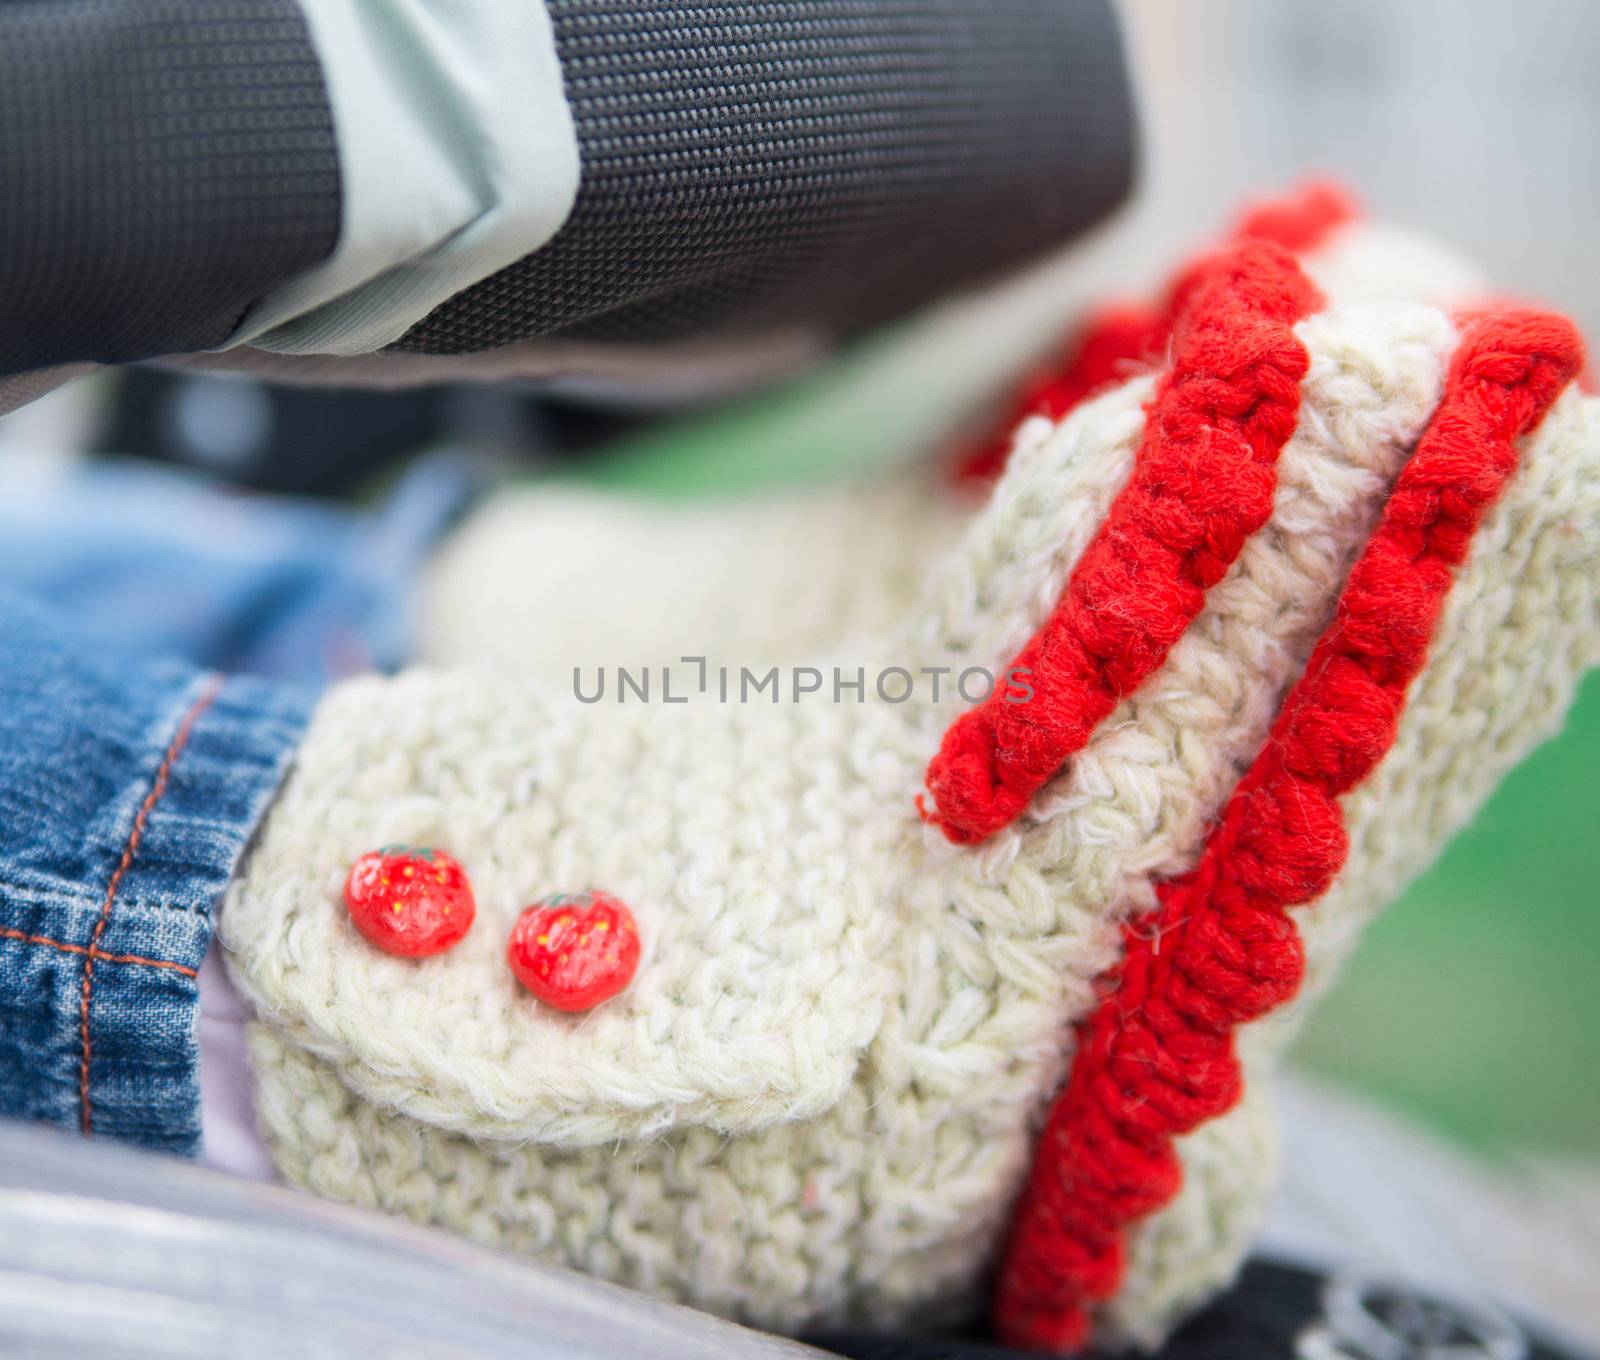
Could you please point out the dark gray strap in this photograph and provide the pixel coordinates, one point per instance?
(162, 164)
(755, 162)
(746, 164)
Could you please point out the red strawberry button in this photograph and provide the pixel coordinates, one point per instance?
(409, 900)
(574, 950)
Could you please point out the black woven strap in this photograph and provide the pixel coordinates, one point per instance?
(162, 164)
(747, 163)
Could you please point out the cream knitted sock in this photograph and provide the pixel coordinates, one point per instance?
(817, 1100)
(546, 578)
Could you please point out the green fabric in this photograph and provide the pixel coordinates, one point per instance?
(1471, 1002)
(861, 411)
(897, 394)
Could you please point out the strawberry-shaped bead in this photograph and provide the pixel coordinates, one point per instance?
(409, 900)
(574, 950)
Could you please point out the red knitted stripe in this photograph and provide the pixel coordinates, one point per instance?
(1299, 220)
(1156, 1058)
(1202, 484)
(1123, 337)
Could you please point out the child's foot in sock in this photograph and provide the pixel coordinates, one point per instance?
(816, 1099)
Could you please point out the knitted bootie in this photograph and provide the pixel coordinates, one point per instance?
(1266, 628)
(548, 578)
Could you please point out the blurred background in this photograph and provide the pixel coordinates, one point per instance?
(1472, 1005)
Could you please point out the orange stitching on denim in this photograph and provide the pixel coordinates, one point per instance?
(144, 962)
(7, 933)
(180, 739)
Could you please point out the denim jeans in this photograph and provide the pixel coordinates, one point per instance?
(131, 781)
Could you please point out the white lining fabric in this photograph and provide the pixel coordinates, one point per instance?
(458, 156)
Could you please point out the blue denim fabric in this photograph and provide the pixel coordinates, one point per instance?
(131, 783)
(116, 838)
(166, 563)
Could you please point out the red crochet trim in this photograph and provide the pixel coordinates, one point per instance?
(1203, 483)
(1121, 338)
(1156, 1059)
(1301, 219)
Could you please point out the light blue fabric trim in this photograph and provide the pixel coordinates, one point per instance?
(458, 156)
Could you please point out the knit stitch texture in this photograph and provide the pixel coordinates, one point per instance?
(1157, 1057)
(1504, 665)
(818, 1099)
(1203, 483)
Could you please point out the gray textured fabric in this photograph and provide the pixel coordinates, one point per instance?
(162, 163)
(755, 163)
(111, 1254)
